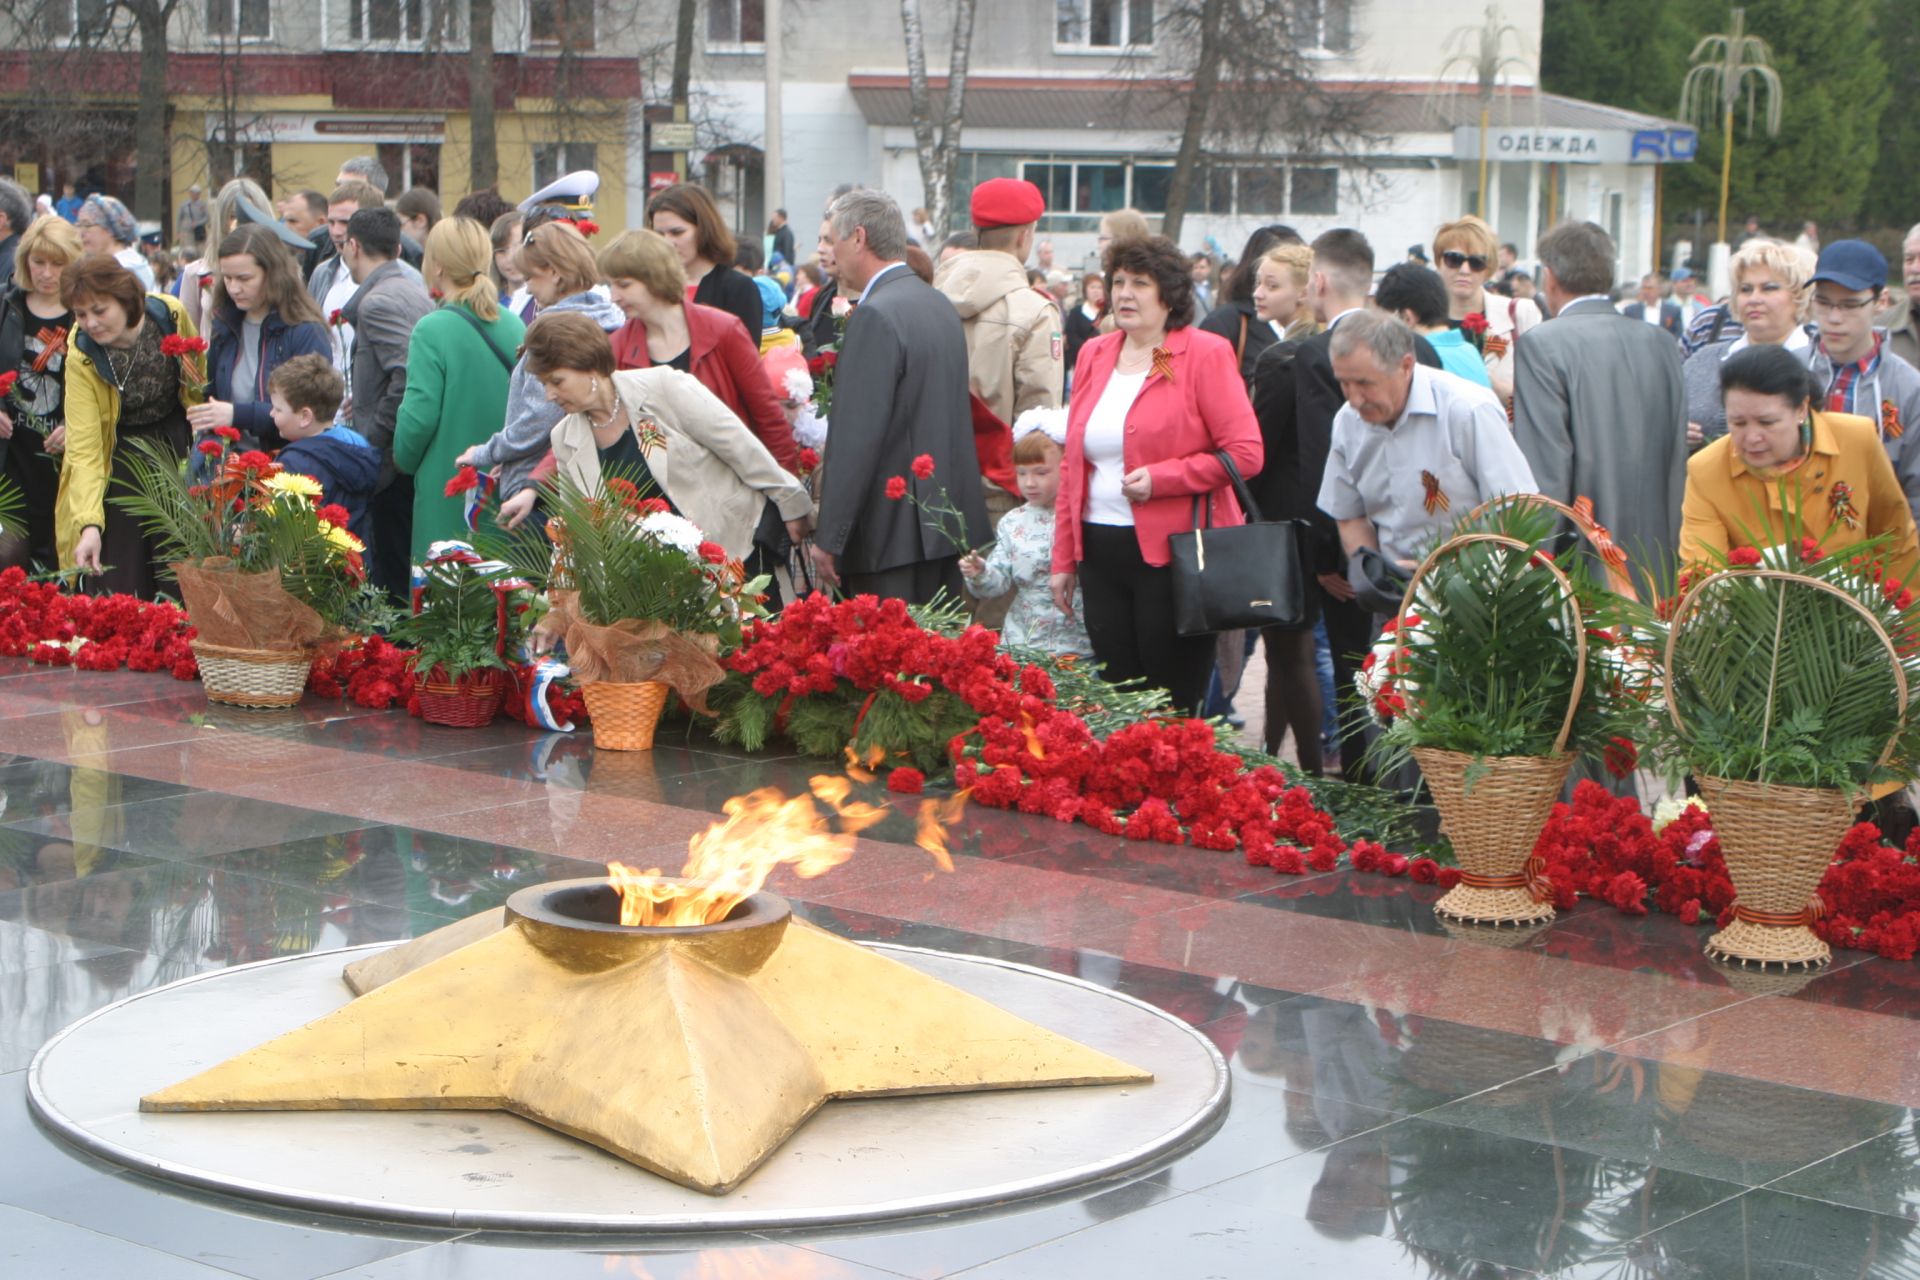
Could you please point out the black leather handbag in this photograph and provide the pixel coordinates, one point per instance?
(1234, 577)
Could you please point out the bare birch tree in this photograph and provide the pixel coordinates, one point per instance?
(939, 148)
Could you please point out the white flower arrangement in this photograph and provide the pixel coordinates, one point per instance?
(675, 531)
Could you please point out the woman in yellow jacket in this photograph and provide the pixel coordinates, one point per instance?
(1832, 466)
(120, 386)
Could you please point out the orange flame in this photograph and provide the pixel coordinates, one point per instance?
(729, 861)
(1033, 739)
(931, 826)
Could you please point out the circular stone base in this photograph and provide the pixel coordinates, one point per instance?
(853, 1161)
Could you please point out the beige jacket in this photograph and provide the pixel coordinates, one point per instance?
(714, 470)
(1903, 329)
(1014, 338)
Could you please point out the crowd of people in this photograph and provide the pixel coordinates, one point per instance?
(997, 426)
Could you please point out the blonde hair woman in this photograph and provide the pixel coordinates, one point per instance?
(459, 366)
(224, 216)
(1770, 301)
(34, 328)
(1466, 255)
(1280, 290)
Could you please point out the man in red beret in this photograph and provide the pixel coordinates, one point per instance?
(1014, 334)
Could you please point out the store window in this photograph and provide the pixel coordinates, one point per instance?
(1085, 187)
(551, 160)
(77, 19)
(1263, 191)
(402, 22)
(733, 23)
(410, 164)
(561, 22)
(1315, 191)
(238, 19)
(1103, 24)
(1324, 26)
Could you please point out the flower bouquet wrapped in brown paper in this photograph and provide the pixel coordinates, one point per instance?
(266, 573)
(643, 601)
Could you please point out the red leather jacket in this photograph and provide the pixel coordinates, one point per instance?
(1174, 428)
(728, 364)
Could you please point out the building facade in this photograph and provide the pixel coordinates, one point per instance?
(1081, 98)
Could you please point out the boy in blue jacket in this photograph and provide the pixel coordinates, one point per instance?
(306, 392)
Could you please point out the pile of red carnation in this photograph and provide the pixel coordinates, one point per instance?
(370, 672)
(1602, 846)
(40, 622)
(1160, 780)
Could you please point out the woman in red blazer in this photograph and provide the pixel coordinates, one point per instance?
(1153, 403)
(647, 282)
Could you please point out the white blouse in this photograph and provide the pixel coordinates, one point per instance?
(1105, 446)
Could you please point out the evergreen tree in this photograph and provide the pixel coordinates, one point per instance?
(1625, 53)
(1893, 198)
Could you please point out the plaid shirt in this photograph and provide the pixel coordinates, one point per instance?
(1848, 379)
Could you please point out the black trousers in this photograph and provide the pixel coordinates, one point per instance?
(1129, 608)
(1350, 634)
(916, 583)
(390, 559)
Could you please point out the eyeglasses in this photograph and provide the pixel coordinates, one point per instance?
(1844, 305)
(1455, 260)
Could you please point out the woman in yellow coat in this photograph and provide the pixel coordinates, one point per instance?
(1832, 466)
(120, 386)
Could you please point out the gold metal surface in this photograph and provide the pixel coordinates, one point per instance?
(691, 1052)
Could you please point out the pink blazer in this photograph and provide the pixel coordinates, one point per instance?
(1174, 428)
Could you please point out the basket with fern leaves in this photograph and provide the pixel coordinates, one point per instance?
(1789, 680)
(1499, 671)
(468, 615)
(266, 573)
(642, 599)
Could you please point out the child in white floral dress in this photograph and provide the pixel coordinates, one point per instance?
(1021, 557)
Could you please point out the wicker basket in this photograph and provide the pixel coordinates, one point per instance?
(624, 715)
(466, 702)
(1778, 843)
(261, 679)
(1495, 825)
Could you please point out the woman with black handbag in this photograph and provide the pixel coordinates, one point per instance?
(1157, 405)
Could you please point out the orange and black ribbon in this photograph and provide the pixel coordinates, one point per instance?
(1436, 499)
(1890, 424)
(1163, 363)
(1814, 910)
(1840, 500)
(1603, 544)
(1533, 878)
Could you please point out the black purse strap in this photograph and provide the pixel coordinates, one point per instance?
(1248, 507)
(481, 329)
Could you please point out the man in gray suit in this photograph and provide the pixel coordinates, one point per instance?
(899, 391)
(1599, 409)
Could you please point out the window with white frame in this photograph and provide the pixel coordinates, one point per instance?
(1102, 24)
(732, 24)
(1324, 26)
(78, 19)
(402, 22)
(561, 22)
(409, 164)
(238, 19)
(553, 160)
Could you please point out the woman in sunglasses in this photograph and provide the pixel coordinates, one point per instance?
(1466, 255)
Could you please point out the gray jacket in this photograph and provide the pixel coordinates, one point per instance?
(389, 303)
(328, 273)
(1897, 383)
(1702, 373)
(519, 445)
(1600, 413)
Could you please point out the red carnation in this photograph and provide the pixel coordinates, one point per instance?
(173, 345)
(1474, 324)
(1424, 870)
(335, 514)
(587, 227)
(1620, 756)
(809, 461)
(228, 433)
(923, 466)
(1810, 550)
(212, 448)
(1744, 555)
(7, 380)
(338, 317)
(897, 488)
(713, 553)
(195, 346)
(464, 479)
(654, 507)
(907, 782)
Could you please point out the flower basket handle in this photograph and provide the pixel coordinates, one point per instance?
(1566, 591)
(1610, 554)
(1689, 600)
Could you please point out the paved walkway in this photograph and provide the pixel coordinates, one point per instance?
(1590, 1099)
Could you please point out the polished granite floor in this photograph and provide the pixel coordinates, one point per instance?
(1590, 1100)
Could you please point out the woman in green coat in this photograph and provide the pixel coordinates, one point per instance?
(459, 362)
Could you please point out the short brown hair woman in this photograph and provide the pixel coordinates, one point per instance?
(1153, 404)
(701, 459)
(686, 215)
(120, 387)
